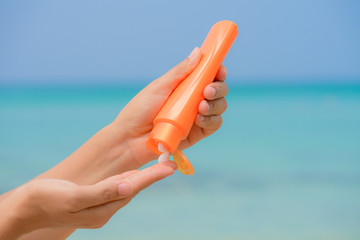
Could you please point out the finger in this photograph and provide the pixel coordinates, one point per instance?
(108, 190)
(170, 80)
(221, 74)
(214, 107)
(208, 122)
(150, 175)
(119, 177)
(216, 90)
(97, 216)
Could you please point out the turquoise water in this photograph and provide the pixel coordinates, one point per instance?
(285, 164)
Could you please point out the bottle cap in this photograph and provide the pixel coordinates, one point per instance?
(183, 163)
(165, 133)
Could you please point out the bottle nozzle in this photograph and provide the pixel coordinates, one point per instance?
(167, 134)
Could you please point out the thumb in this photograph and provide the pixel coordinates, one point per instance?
(170, 80)
(103, 192)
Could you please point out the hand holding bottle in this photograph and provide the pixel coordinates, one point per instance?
(136, 119)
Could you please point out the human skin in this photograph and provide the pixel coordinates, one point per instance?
(121, 147)
(55, 203)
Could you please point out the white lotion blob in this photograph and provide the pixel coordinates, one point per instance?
(162, 148)
(165, 156)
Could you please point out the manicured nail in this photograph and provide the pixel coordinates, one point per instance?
(193, 53)
(124, 189)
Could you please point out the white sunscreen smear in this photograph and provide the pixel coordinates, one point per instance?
(165, 156)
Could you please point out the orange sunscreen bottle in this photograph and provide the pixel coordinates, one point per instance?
(175, 119)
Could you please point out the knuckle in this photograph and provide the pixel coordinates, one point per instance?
(107, 195)
(217, 89)
(216, 123)
(203, 119)
(220, 121)
(96, 224)
(217, 106)
(93, 222)
(211, 105)
(226, 88)
(152, 172)
(135, 188)
(99, 222)
(224, 104)
(72, 201)
(31, 189)
(221, 88)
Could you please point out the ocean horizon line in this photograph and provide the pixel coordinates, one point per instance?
(141, 82)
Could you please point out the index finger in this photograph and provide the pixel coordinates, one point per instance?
(150, 175)
(137, 181)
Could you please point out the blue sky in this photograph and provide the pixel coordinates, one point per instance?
(98, 41)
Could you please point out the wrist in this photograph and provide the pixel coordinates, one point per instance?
(103, 155)
(119, 153)
(136, 154)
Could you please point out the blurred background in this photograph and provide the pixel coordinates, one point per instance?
(284, 165)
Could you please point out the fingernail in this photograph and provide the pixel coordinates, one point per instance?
(172, 165)
(213, 91)
(124, 189)
(205, 105)
(193, 53)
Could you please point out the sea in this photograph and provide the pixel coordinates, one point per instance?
(284, 165)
